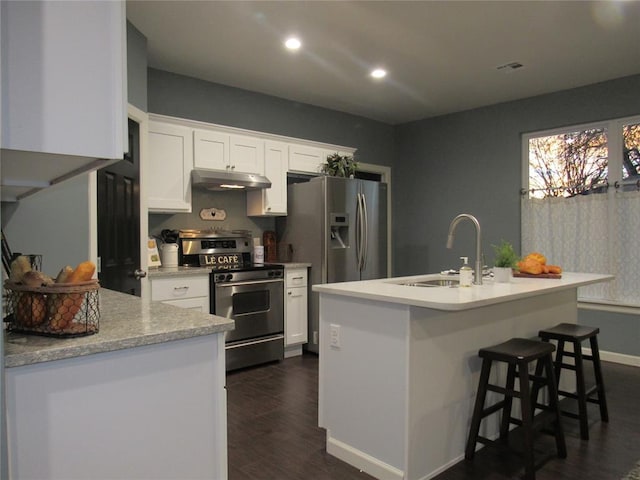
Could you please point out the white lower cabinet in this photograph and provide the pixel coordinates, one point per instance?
(296, 310)
(182, 291)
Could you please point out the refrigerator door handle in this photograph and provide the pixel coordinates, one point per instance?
(365, 232)
(359, 232)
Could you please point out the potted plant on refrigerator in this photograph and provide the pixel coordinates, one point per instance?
(504, 261)
(340, 165)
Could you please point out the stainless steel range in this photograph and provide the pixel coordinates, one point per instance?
(250, 294)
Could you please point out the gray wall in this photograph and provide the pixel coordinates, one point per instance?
(53, 222)
(186, 97)
(471, 162)
(136, 67)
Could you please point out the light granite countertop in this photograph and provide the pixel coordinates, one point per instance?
(394, 290)
(125, 322)
(160, 272)
(296, 265)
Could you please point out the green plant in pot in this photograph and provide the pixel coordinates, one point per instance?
(504, 261)
(340, 165)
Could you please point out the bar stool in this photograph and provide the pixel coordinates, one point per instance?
(576, 334)
(518, 353)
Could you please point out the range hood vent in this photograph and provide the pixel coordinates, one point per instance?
(220, 181)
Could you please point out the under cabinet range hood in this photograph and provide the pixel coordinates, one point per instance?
(227, 180)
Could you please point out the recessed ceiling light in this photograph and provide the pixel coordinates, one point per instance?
(292, 43)
(378, 73)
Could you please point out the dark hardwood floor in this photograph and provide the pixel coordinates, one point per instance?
(273, 433)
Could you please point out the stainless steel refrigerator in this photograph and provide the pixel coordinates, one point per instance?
(339, 225)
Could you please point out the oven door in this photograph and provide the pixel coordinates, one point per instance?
(257, 306)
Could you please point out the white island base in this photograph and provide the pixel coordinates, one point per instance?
(398, 380)
(155, 412)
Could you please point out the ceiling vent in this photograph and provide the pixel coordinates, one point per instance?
(509, 67)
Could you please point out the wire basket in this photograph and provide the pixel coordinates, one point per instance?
(57, 310)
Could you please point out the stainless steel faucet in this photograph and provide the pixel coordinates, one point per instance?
(477, 278)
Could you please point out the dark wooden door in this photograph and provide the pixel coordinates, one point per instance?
(119, 220)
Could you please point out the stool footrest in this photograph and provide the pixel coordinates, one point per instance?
(493, 408)
(568, 366)
(503, 391)
(566, 413)
(568, 394)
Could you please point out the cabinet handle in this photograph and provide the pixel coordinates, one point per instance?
(289, 293)
(181, 288)
(297, 278)
(233, 167)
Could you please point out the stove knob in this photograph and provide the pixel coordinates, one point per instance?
(229, 276)
(220, 278)
(278, 273)
(272, 273)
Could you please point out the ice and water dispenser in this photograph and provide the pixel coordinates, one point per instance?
(339, 230)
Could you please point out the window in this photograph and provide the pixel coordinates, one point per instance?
(581, 203)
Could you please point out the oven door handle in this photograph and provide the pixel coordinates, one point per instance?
(249, 282)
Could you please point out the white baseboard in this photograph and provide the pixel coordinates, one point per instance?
(362, 461)
(614, 357)
(294, 351)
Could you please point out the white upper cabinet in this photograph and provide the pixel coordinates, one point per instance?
(223, 151)
(210, 149)
(64, 78)
(246, 154)
(271, 201)
(64, 98)
(306, 159)
(170, 164)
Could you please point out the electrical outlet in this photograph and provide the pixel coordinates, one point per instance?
(315, 337)
(334, 336)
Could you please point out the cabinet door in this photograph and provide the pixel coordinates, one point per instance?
(170, 165)
(211, 149)
(199, 304)
(295, 327)
(179, 287)
(271, 201)
(64, 78)
(306, 159)
(246, 154)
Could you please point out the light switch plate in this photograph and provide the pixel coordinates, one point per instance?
(334, 336)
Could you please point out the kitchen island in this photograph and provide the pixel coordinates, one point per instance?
(142, 398)
(399, 365)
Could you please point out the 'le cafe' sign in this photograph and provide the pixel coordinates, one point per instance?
(220, 260)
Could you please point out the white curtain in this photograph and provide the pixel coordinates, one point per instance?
(595, 233)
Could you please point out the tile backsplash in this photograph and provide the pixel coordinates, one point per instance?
(233, 203)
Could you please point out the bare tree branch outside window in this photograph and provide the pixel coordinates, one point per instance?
(631, 157)
(568, 164)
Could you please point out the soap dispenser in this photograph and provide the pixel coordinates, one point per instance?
(466, 274)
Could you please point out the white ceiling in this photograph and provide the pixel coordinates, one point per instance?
(441, 55)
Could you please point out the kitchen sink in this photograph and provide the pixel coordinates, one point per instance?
(440, 282)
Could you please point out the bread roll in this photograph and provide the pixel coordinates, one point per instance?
(82, 273)
(34, 278)
(65, 273)
(19, 266)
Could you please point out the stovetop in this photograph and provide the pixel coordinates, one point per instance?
(214, 233)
